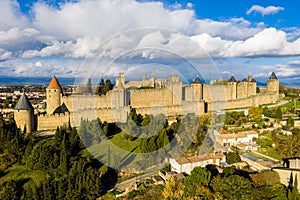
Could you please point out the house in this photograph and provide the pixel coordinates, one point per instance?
(187, 164)
(242, 140)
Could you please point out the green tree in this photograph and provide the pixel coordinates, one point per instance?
(89, 86)
(197, 183)
(255, 113)
(278, 114)
(232, 157)
(233, 187)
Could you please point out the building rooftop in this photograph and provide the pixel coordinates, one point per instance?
(197, 81)
(194, 159)
(273, 76)
(120, 86)
(243, 134)
(61, 109)
(54, 84)
(232, 79)
(23, 103)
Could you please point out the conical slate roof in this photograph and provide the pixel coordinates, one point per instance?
(61, 109)
(54, 84)
(23, 103)
(244, 80)
(197, 81)
(232, 79)
(273, 76)
(253, 80)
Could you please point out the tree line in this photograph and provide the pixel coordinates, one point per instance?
(66, 169)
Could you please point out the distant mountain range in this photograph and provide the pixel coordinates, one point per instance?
(4, 80)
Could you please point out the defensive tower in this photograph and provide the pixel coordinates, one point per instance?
(23, 114)
(273, 84)
(53, 94)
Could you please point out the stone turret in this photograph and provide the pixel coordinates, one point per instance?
(24, 114)
(273, 84)
(232, 83)
(242, 89)
(251, 86)
(197, 88)
(118, 96)
(53, 95)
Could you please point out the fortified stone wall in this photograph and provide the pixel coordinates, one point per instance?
(153, 97)
(24, 118)
(173, 99)
(46, 122)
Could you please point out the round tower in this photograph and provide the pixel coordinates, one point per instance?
(53, 95)
(242, 89)
(273, 84)
(232, 83)
(24, 114)
(197, 88)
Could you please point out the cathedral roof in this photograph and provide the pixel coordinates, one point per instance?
(197, 81)
(232, 79)
(54, 84)
(244, 80)
(23, 103)
(273, 76)
(253, 80)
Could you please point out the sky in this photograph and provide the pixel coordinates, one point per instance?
(92, 38)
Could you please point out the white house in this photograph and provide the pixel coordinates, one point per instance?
(245, 137)
(187, 164)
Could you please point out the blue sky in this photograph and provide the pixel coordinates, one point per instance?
(88, 37)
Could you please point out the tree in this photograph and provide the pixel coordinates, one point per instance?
(257, 90)
(89, 86)
(267, 177)
(101, 87)
(278, 114)
(173, 189)
(197, 183)
(232, 157)
(255, 113)
(295, 190)
(234, 187)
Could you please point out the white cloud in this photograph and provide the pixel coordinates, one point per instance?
(4, 54)
(189, 5)
(270, 10)
(17, 35)
(11, 16)
(111, 28)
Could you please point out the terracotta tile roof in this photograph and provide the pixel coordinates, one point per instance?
(54, 84)
(120, 86)
(194, 159)
(238, 135)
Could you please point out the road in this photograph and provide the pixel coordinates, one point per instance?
(282, 102)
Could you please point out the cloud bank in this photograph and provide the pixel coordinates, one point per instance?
(110, 28)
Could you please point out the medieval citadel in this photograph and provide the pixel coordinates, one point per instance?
(167, 96)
